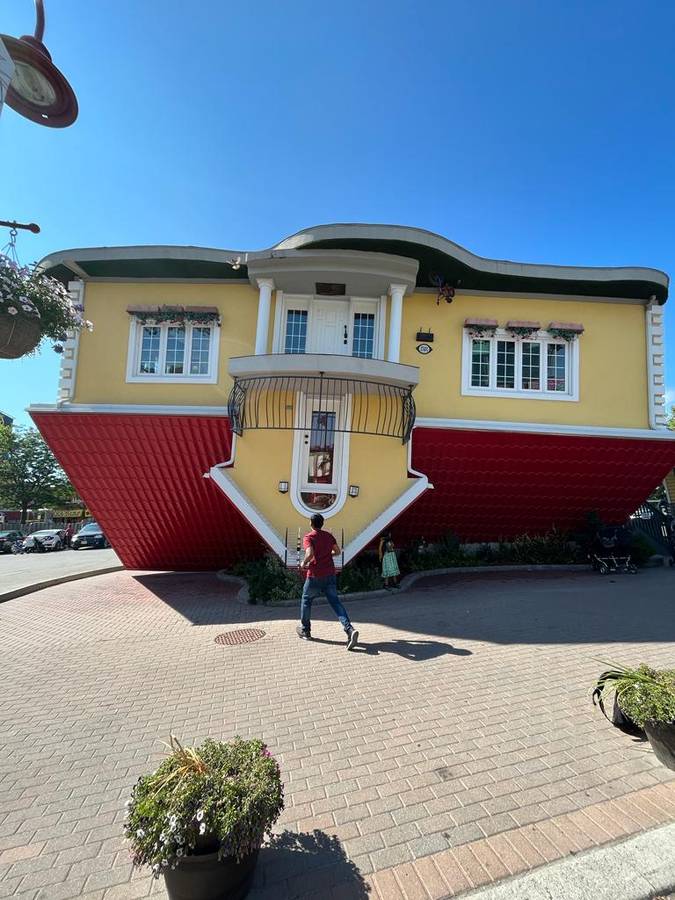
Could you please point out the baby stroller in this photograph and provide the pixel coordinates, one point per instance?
(610, 551)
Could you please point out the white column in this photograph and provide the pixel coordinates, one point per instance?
(395, 318)
(266, 286)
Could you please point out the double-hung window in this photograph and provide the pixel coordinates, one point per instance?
(168, 352)
(501, 365)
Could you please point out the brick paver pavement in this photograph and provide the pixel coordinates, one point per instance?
(456, 746)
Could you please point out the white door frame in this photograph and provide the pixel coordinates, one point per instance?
(299, 463)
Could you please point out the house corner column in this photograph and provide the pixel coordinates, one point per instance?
(395, 319)
(655, 370)
(266, 286)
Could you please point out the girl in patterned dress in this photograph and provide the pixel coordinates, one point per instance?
(390, 569)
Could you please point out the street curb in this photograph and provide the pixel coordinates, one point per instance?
(637, 868)
(41, 585)
(406, 583)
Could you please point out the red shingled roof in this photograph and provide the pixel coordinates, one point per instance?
(498, 484)
(141, 477)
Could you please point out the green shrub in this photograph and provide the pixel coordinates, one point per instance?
(361, 575)
(641, 549)
(644, 694)
(218, 796)
(268, 580)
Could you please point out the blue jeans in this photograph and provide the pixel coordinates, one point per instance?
(314, 587)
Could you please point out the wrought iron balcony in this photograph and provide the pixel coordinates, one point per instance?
(375, 401)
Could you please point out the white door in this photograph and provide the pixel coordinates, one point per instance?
(329, 328)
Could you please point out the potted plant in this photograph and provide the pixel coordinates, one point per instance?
(646, 697)
(200, 819)
(33, 306)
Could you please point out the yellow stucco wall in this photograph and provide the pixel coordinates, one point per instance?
(264, 458)
(612, 360)
(102, 362)
(613, 378)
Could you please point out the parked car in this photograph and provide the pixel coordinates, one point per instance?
(90, 535)
(49, 538)
(7, 538)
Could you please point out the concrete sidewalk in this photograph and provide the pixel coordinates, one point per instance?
(640, 868)
(28, 572)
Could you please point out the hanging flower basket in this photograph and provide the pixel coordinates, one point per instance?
(522, 330)
(481, 328)
(567, 331)
(20, 333)
(33, 306)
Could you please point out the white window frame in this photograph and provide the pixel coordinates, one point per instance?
(300, 460)
(134, 376)
(375, 305)
(541, 337)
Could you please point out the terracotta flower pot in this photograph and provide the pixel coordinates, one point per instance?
(662, 738)
(205, 877)
(18, 335)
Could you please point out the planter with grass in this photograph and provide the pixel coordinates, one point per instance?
(200, 819)
(646, 697)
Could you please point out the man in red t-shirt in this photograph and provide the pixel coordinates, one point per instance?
(320, 548)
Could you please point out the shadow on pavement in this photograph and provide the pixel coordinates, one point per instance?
(413, 650)
(197, 596)
(308, 863)
(500, 608)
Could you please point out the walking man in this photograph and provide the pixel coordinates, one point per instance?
(320, 548)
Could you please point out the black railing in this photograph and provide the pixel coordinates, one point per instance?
(290, 402)
(656, 522)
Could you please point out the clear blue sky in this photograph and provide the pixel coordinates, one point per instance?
(523, 129)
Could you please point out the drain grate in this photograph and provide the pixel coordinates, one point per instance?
(241, 636)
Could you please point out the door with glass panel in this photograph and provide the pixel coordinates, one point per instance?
(321, 455)
(342, 327)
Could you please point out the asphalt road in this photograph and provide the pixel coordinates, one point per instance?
(34, 569)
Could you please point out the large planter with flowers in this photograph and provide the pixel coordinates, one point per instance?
(200, 819)
(33, 306)
(646, 697)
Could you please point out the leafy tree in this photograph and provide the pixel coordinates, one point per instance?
(30, 476)
(671, 419)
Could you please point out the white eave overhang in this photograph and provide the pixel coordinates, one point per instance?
(364, 274)
(313, 365)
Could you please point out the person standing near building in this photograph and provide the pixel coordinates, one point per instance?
(320, 547)
(69, 532)
(388, 561)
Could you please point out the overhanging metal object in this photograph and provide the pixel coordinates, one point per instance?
(288, 403)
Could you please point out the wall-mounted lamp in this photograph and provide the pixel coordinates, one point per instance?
(283, 487)
(353, 490)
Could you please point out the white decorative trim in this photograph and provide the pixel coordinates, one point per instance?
(572, 368)
(382, 325)
(354, 547)
(297, 485)
(68, 368)
(279, 317)
(540, 428)
(220, 475)
(140, 409)
(656, 391)
(133, 354)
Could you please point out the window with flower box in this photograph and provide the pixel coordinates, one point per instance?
(539, 367)
(176, 352)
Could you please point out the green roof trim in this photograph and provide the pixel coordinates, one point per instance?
(458, 267)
